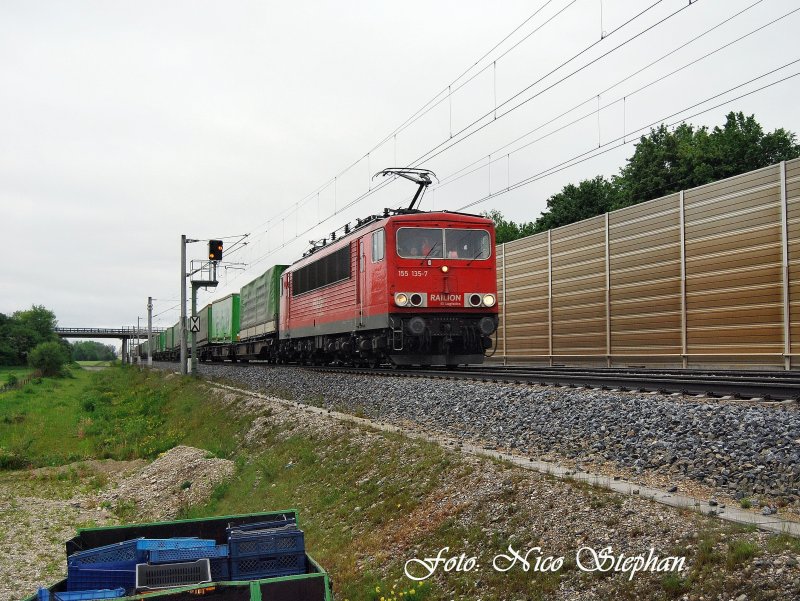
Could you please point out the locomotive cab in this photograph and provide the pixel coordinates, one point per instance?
(441, 287)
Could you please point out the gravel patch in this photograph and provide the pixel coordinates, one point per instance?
(738, 450)
(510, 505)
(180, 477)
(40, 509)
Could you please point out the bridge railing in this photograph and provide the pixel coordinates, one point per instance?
(125, 331)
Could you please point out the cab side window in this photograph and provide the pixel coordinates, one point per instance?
(378, 245)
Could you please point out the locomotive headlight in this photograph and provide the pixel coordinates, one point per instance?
(489, 300)
(445, 269)
(400, 299)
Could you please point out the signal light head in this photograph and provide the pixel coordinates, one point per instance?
(215, 250)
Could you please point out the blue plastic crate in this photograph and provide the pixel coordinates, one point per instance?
(90, 595)
(127, 551)
(43, 594)
(170, 555)
(220, 569)
(158, 544)
(265, 542)
(82, 577)
(253, 568)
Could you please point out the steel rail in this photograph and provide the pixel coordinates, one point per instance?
(775, 386)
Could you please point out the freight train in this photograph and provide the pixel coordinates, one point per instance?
(406, 287)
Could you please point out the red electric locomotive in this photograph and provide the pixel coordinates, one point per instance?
(408, 287)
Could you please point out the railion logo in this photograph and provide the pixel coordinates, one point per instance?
(446, 298)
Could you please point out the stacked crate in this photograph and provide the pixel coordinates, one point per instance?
(146, 564)
(266, 549)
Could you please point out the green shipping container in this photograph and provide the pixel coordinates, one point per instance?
(205, 319)
(260, 302)
(173, 337)
(162, 341)
(224, 319)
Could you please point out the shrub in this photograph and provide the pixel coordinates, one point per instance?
(49, 358)
(12, 380)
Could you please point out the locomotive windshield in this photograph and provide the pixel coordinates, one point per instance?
(437, 243)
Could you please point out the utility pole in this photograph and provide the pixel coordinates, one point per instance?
(149, 331)
(215, 254)
(138, 342)
(194, 334)
(182, 323)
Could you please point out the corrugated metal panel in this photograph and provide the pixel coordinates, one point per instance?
(734, 279)
(793, 227)
(259, 303)
(205, 320)
(224, 319)
(579, 288)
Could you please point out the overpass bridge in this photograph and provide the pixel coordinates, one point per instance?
(124, 334)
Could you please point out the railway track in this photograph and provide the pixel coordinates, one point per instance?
(767, 385)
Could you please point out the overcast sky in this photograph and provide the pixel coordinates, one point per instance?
(126, 124)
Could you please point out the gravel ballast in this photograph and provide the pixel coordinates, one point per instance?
(741, 450)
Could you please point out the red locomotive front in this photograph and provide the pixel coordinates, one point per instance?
(411, 288)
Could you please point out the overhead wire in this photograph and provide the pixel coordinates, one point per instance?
(444, 180)
(564, 63)
(383, 184)
(461, 173)
(415, 116)
(610, 145)
(436, 150)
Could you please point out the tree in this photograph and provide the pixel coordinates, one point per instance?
(589, 198)
(39, 321)
(506, 231)
(668, 161)
(49, 358)
(23, 331)
(89, 350)
(8, 352)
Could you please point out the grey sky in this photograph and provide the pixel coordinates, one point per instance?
(126, 124)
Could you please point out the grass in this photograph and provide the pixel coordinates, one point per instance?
(16, 370)
(116, 413)
(368, 501)
(740, 551)
(94, 363)
(10, 374)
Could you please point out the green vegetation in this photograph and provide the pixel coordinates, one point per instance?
(782, 543)
(368, 500)
(48, 358)
(23, 331)
(89, 350)
(10, 376)
(663, 162)
(740, 551)
(114, 413)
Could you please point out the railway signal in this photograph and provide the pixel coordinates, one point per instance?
(215, 250)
